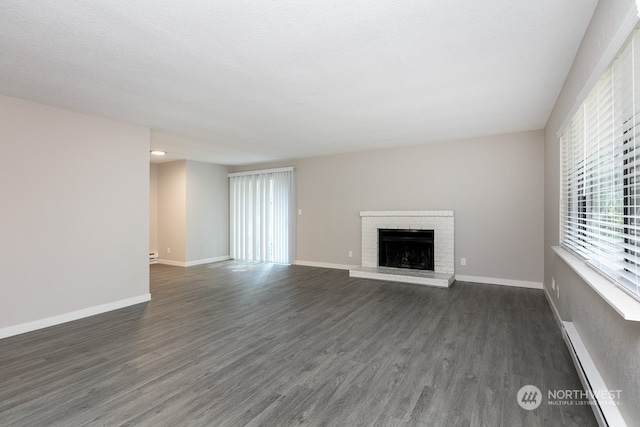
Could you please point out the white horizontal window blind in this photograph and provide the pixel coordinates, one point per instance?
(262, 221)
(600, 206)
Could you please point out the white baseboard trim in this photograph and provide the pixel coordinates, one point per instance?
(192, 263)
(170, 262)
(600, 396)
(325, 265)
(74, 315)
(606, 412)
(503, 282)
(207, 261)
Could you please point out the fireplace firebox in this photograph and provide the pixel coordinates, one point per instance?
(406, 248)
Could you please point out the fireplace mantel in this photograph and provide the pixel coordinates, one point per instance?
(440, 221)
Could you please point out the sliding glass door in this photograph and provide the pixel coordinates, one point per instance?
(262, 217)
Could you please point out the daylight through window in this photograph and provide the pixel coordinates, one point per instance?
(600, 206)
(262, 221)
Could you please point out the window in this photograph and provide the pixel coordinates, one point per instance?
(600, 206)
(261, 204)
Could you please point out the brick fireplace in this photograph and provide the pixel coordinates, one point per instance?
(442, 224)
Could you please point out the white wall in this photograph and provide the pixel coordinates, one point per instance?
(614, 344)
(74, 222)
(207, 212)
(494, 184)
(153, 207)
(172, 196)
(193, 212)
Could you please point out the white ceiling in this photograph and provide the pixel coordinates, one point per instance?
(241, 81)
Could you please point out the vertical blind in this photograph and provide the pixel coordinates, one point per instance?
(600, 187)
(261, 212)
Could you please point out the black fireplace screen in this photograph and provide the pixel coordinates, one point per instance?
(405, 249)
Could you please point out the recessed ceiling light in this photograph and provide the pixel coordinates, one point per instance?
(158, 152)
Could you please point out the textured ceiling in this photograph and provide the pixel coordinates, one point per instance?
(237, 82)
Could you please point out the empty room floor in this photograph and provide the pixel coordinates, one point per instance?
(238, 343)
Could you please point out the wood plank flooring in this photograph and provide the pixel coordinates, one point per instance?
(235, 344)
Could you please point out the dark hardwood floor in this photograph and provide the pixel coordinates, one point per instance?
(234, 344)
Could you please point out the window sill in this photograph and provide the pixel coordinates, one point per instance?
(625, 305)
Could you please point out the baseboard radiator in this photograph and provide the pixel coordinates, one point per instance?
(606, 411)
(153, 257)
